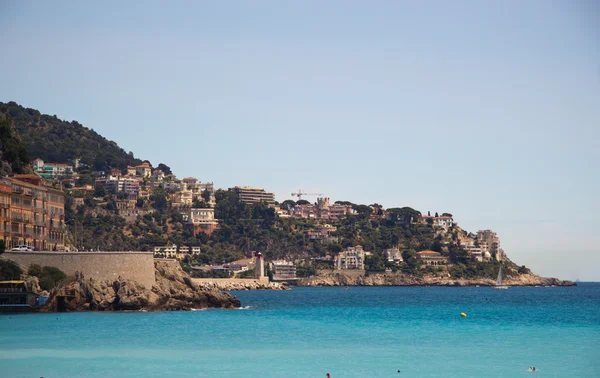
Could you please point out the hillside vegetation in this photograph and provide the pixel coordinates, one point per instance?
(13, 152)
(54, 140)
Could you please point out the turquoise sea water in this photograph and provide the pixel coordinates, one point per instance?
(307, 332)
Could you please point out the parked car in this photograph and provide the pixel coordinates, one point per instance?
(22, 248)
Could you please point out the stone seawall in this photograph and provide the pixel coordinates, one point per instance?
(135, 266)
(239, 284)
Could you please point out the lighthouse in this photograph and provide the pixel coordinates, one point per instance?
(259, 267)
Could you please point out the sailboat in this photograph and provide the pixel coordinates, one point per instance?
(499, 280)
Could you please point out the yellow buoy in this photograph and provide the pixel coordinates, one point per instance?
(463, 314)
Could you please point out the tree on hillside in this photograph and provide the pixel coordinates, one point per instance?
(12, 149)
(436, 215)
(410, 259)
(54, 140)
(206, 196)
(302, 202)
(288, 205)
(165, 168)
(159, 200)
(458, 255)
(436, 246)
(363, 210)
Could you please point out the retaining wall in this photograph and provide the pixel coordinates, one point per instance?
(137, 266)
(264, 280)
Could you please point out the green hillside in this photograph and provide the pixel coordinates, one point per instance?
(54, 140)
(13, 152)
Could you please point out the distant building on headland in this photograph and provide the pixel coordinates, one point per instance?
(200, 220)
(322, 210)
(444, 221)
(254, 195)
(488, 241)
(351, 258)
(283, 271)
(393, 255)
(52, 170)
(175, 252)
(432, 258)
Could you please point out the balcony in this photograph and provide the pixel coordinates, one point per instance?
(40, 223)
(57, 227)
(17, 234)
(4, 206)
(18, 190)
(28, 235)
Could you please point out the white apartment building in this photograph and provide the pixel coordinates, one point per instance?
(351, 258)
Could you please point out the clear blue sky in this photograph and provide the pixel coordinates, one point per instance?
(487, 110)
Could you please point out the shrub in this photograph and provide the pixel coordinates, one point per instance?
(47, 283)
(524, 270)
(34, 270)
(9, 270)
(53, 272)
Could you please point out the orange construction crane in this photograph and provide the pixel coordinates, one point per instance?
(300, 193)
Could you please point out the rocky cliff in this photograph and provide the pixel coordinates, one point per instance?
(173, 290)
(399, 279)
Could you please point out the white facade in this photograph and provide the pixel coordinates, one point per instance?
(169, 251)
(199, 216)
(476, 252)
(393, 255)
(444, 222)
(351, 258)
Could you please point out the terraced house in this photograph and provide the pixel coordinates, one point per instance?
(31, 213)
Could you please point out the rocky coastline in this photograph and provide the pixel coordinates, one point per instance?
(399, 279)
(173, 290)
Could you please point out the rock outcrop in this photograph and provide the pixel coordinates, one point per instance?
(173, 290)
(399, 279)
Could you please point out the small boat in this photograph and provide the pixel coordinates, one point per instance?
(499, 280)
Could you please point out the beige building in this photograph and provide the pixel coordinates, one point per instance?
(200, 220)
(322, 210)
(488, 241)
(254, 195)
(283, 270)
(474, 251)
(31, 214)
(182, 198)
(432, 258)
